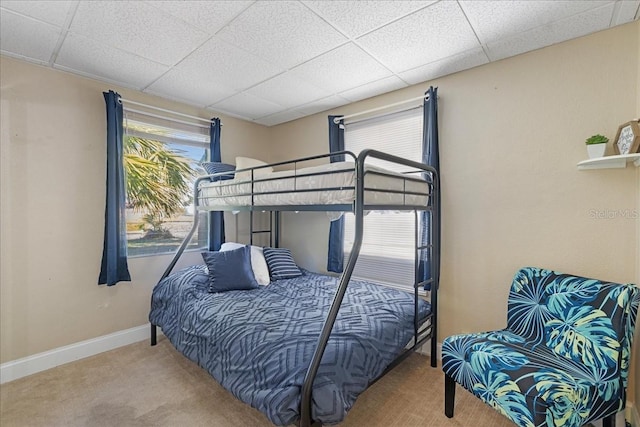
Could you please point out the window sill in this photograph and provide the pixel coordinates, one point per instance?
(172, 253)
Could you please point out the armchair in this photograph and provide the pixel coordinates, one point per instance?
(563, 358)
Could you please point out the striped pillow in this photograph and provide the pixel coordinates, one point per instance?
(281, 263)
(217, 167)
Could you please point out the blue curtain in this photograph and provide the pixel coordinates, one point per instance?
(431, 157)
(114, 267)
(216, 219)
(335, 258)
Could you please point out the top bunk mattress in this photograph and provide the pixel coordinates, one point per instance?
(330, 184)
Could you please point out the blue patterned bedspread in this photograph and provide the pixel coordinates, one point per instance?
(258, 343)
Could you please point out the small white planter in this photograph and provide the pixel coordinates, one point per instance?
(596, 150)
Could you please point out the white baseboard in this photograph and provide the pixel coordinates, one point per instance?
(426, 349)
(59, 356)
(632, 415)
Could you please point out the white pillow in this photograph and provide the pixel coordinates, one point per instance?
(258, 263)
(248, 162)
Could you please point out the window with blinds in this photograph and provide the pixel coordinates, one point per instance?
(387, 253)
(161, 161)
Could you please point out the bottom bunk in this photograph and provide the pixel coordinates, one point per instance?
(258, 343)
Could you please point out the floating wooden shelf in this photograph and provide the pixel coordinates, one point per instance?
(610, 162)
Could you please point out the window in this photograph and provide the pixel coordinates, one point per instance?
(388, 248)
(161, 161)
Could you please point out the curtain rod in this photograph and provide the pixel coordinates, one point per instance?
(170, 119)
(165, 110)
(337, 120)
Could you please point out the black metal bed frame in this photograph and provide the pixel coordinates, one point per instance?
(428, 330)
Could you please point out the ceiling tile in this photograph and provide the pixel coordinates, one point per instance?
(343, 68)
(138, 28)
(278, 118)
(493, 20)
(450, 65)
(627, 11)
(282, 32)
(49, 11)
(184, 86)
(288, 90)
(323, 104)
(433, 33)
(555, 32)
(378, 87)
(207, 16)
(90, 58)
(26, 37)
(214, 71)
(355, 18)
(247, 105)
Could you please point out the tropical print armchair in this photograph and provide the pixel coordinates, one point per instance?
(563, 358)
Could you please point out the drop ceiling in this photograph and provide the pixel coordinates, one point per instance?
(274, 61)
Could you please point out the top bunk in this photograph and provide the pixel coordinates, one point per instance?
(332, 186)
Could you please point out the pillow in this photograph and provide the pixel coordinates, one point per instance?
(248, 162)
(258, 263)
(217, 167)
(281, 263)
(229, 246)
(230, 270)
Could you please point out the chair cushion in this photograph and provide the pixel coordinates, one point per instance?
(586, 320)
(529, 383)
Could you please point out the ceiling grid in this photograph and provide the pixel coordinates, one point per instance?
(271, 61)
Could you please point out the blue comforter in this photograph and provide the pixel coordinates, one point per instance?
(258, 343)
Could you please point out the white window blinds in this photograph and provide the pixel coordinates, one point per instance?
(171, 131)
(387, 253)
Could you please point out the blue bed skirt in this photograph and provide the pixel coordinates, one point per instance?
(258, 343)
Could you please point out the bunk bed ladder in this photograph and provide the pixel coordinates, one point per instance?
(421, 281)
(433, 258)
(273, 230)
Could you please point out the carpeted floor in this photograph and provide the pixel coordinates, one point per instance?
(139, 385)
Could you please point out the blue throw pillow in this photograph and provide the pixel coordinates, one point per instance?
(217, 167)
(281, 264)
(230, 270)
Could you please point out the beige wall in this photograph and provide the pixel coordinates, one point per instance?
(511, 133)
(52, 211)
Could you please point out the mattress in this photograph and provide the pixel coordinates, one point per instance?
(330, 184)
(258, 344)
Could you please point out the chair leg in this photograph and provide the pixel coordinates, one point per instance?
(154, 335)
(609, 421)
(450, 395)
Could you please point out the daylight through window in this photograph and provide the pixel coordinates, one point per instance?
(161, 161)
(387, 253)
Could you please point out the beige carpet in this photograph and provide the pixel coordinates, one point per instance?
(139, 385)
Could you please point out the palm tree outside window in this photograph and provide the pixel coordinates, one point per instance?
(161, 165)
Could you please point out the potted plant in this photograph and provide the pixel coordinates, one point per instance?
(596, 145)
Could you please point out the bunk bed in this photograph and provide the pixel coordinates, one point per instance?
(331, 316)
